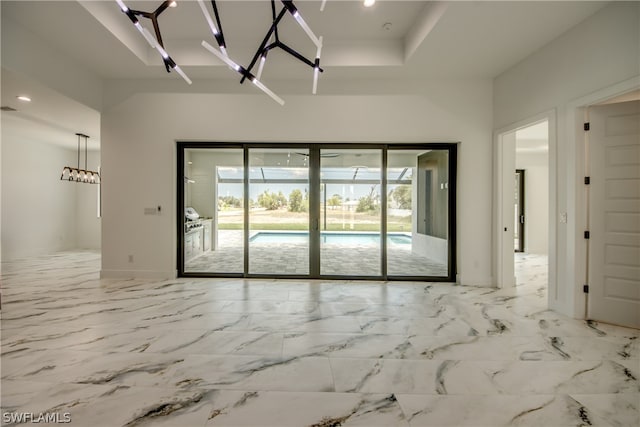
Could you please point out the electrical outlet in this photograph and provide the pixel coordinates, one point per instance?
(130, 258)
(157, 210)
(563, 218)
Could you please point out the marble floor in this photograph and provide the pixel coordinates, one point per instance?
(220, 352)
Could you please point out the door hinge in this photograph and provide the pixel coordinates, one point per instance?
(587, 235)
(585, 289)
(587, 180)
(586, 126)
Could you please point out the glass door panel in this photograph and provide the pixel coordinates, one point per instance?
(214, 214)
(350, 212)
(279, 211)
(317, 211)
(417, 213)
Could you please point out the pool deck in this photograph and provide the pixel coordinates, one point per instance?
(293, 259)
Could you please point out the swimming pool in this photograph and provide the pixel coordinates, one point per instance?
(332, 238)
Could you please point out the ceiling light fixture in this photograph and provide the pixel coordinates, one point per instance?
(266, 45)
(369, 3)
(156, 42)
(270, 41)
(24, 98)
(80, 175)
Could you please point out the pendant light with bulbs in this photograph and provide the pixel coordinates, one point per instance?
(76, 174)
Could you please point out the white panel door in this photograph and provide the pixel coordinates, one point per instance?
(614, 212)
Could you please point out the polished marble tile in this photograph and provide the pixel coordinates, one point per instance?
(236, 352)
(484, 377)
(304, 323)
(155, 339)
(341, 345)
(253, 373)
(558, 410)
(311, 409)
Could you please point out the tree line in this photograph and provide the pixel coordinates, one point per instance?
(299, 201)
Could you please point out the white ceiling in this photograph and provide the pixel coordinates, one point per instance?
(479, 38)
(50, 116)
(425, 39)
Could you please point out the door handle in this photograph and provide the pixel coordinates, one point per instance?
(521, 219)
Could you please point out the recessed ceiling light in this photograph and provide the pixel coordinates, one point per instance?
(369, 3)
(173, 4)
(23, 98)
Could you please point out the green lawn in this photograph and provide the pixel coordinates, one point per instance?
(330, 227)
(283, 219)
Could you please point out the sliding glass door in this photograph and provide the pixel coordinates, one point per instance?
(279, 211)
(371, 211)
(213, 191)
(418, 233)
(350, 240)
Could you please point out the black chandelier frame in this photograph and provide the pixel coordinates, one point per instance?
(216, 28)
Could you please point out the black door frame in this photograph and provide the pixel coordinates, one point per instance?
(314, 177)
(520, 218)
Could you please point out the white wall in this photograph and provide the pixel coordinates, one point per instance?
(536, 201)
(38, 210)
(602, 51)
(599, 52)
(40, 213)
(139, 134)
(88, 234)
(505, 218)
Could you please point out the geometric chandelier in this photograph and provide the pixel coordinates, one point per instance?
(80, 175)
(157, 42)
(271, 41)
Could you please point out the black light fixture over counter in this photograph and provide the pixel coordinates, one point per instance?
(270, 41)
(80, 175)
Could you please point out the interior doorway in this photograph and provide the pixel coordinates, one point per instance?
(532, 158)
(523, 198)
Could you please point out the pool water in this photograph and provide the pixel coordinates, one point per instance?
(333, 238)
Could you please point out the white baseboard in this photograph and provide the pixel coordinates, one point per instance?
(138, 274)
(483, 282)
